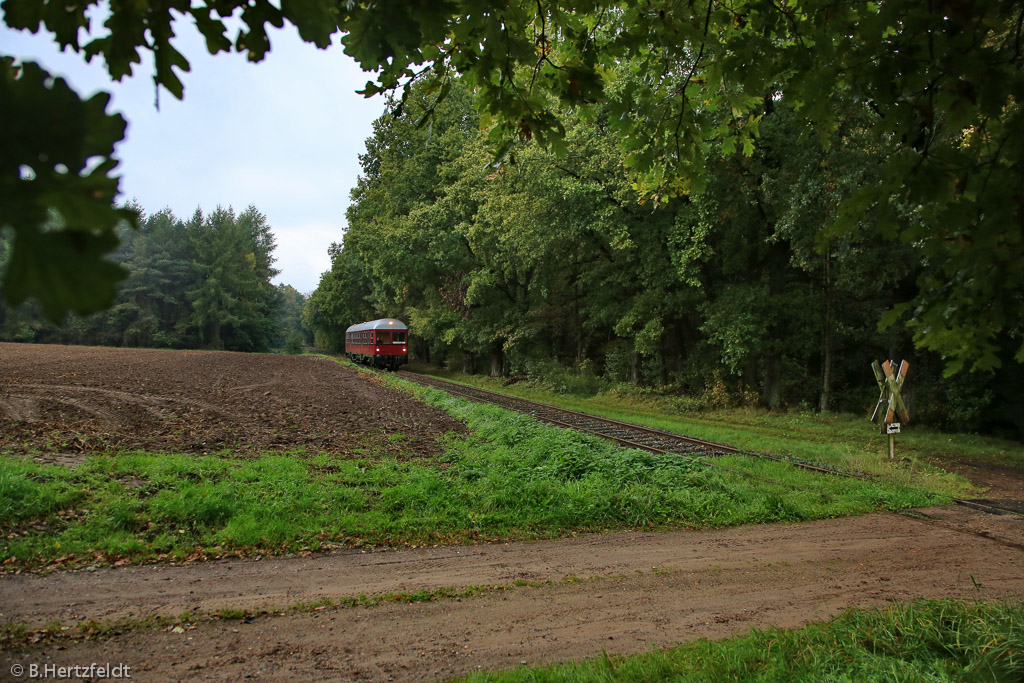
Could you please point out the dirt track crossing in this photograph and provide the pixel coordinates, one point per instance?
(635, 591)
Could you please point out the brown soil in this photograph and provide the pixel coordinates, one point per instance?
(999, 482)
(66, 401)
(636, 591)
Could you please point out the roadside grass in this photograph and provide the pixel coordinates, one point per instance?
(934, 640)
(842, 439)
(510, 478)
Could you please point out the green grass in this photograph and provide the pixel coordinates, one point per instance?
(941, 640)
(510, 478)
(841, 439)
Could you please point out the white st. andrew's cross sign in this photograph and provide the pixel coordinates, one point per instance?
(890, 384)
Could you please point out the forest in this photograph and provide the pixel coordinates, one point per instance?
(200, 283)
(745, 202)
(556, 267)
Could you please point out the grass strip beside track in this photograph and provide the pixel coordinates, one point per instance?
(840, 439)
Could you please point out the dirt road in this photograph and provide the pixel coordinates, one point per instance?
(635, 591)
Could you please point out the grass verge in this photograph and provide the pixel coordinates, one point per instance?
(841, 439)
(935, 640)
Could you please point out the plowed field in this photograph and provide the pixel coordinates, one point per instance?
(65, 401)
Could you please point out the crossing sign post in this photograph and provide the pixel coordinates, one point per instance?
(890, 401)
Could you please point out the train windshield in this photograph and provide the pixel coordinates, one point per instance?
(399, 336)
(383, 336)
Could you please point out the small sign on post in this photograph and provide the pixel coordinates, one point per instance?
(890, 401)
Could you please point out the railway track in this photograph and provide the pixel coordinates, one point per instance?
(660, 441)
(623, 433)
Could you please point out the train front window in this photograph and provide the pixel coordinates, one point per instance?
(399, 336)
(383, 336)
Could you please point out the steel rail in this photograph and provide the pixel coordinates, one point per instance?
(987, 507)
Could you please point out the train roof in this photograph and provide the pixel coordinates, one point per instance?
(382, 324)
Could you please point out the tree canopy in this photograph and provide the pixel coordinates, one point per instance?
(679, 83)
(201, 283)
(553, 269)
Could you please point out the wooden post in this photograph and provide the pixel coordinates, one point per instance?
(890, 401)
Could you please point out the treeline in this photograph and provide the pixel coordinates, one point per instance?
(204, 283)
(740, 291)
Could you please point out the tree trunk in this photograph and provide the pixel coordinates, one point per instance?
(673, 351)
(750, 374)
(215, 341)
(468, 364)
(826, 342)
(497, 362)
(634, 368)
(824, 405)
(771, 391)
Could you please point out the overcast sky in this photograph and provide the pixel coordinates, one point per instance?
(283, 135)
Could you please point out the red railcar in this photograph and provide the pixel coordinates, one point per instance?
(381, 343)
